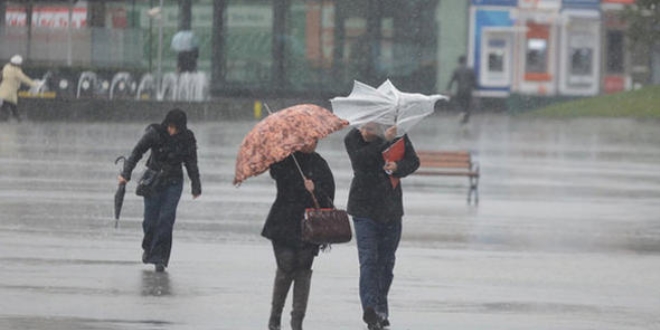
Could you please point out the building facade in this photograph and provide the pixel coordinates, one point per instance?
(554, 48)
(245, 47)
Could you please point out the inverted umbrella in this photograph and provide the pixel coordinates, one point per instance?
(280, 135)
(119, 195)
(184, 41)
(384, 105)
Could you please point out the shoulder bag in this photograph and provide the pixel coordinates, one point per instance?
(325, 225)
(149, 182)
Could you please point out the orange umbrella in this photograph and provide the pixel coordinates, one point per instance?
(280, 135)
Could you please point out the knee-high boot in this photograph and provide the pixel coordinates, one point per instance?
(301, 285)
(280, 291)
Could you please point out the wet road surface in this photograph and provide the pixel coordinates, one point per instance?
(566, 234)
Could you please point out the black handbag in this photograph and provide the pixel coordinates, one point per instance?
(149, 183)
(325, 225)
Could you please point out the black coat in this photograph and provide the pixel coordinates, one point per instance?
(167, 154)
(283, 223)
(372, 195)
(465, 79)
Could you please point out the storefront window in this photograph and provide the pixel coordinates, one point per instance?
(537, 56)
(496, 55)
(581, 59)
(356, 50)
(330, 43)
(308, 44)
(581, 55)
(407, 53)
(248, 45)
(536, 52)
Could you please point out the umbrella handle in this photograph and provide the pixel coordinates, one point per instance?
(316, 202)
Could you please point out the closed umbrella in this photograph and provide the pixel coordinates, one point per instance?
(119, 195)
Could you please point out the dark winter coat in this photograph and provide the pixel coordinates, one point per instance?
(283, 223)
(372, 195)
(465, 79)
(168, 153)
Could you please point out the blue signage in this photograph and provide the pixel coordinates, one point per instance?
(583, 4)
(507, 3)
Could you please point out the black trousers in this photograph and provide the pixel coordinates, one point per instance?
(7, 110)
(291, 259)
(464, 103)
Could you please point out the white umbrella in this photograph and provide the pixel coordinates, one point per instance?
(184, 41)
(385, 105)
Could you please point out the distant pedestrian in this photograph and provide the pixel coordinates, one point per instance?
(172, 145)
(12, 78)
(376, 205)
(466, 82)
(187, 60)
(294, 257)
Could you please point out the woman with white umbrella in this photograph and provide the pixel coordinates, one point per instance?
(12, 79)
(381, 154)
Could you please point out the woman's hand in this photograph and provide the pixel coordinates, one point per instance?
(390, 133)
(122, 180)
(390, 167)
(196, 196)
(309, 185)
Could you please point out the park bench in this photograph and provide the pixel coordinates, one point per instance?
(451, 163)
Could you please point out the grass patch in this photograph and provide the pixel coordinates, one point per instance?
(642, 103)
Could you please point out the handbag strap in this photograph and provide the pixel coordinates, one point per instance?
(316, 202)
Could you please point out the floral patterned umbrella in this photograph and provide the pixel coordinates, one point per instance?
(280, 135)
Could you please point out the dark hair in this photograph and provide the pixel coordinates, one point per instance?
(461, 59)
(177, 118)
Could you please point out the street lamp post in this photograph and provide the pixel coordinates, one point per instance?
(160, 44)
(157, 13)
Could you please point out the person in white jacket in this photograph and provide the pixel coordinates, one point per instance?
(12, 78)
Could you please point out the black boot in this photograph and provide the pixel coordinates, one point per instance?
(280, 291)
(301, 286)
(372, 319)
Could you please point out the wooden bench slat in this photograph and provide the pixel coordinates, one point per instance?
(446, 173)
(450, 159)
(449, 164)
(443, 156)
(444, 153)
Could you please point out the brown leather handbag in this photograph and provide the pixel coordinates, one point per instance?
(325, 226)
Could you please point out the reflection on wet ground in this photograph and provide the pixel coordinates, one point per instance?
(566, 235)
(155, 284)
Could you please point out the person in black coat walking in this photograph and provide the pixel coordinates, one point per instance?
(377, 208)
(172, 144)
(466, 82)
(294, 257)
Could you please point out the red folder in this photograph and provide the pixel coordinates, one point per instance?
(395, 153)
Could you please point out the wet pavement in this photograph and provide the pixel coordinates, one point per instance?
(566, 234)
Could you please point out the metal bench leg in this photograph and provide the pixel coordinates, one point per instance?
(469, 197)
(474, 188)
(476, 193)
